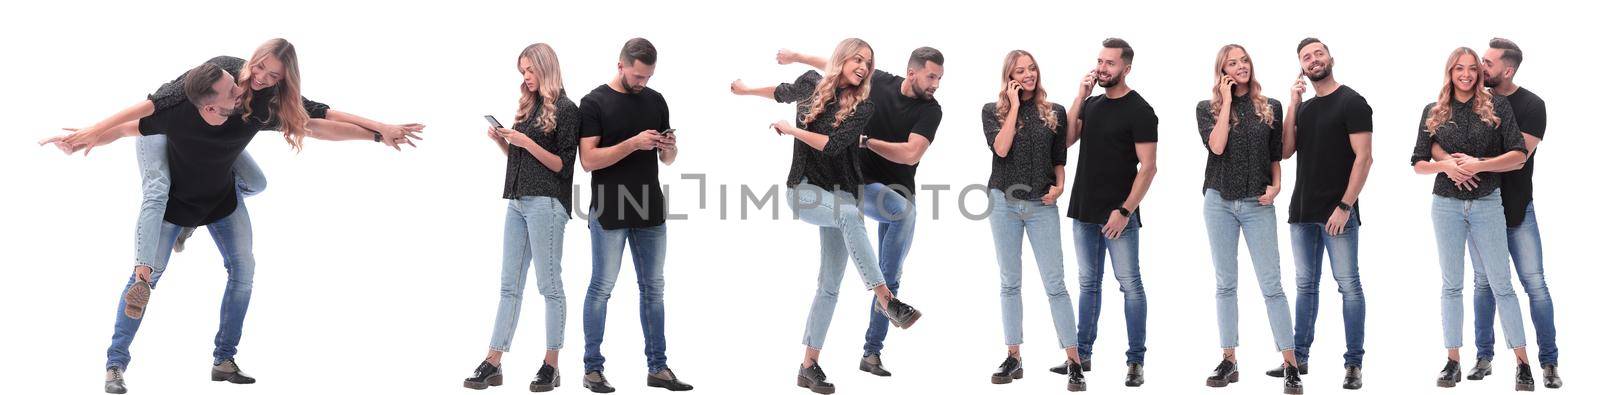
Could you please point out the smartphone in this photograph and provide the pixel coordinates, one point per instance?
(492, 121)
(669, 131)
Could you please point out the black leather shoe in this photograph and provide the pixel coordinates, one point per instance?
(1075, 382)
(228, 371)
(1450, 375)
(1352, 376)
(1524, 377)
(1305, 369)
(547, 379)
(1010, 369)
(874, 364)
(1481, 369)
(1135, 375)
(1225, 373)
(114, 384)
(1552, 379)
(596, 383)
(1291, 382)
(813, 379)
(666, 379)
(900, 314)
(1065, 367)
(487, 375)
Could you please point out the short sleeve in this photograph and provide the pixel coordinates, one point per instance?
(802, 87)
(1423, 151)
(928, 121)
(589, 114)
(1531, 119)
(1206, 121)
(1144, 125)
(1358, 115)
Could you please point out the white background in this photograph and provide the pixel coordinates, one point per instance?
(379, 271)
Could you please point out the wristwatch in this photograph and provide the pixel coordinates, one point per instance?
(1124, 212)
(864, 139)
(1345, 207)
(377, 137)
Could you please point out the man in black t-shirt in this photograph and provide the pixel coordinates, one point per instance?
(1332, 132)
(203, 142)
(905, 118)
(624, 133)
(1116, 164)
(1501, 62)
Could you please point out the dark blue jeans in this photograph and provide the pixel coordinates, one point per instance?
(1307, 242)
(1527, 258)
(897, 221)
(649, 249)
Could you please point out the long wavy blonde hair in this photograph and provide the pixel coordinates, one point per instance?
(1040, 98)
(548, 69)
(286, 105)
(834, 77)
(1263, 109)
(1482, 104)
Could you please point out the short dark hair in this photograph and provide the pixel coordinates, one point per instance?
(921, 56)
(1309, 41)
(1127, 50)
(638, 49)
(1512, 54)
(197, 83)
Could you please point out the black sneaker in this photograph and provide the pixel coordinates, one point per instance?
(183, 236)
(596, 382)
(1352, 376)
(900, 314)
(547, 379)
(228, 371)
(1450, 375)
(136, 298)
(813, 379)
(1291, 382)
(1524, 377)
(874, 364)
(1225, 373)
(666, 379)
(485, 376)
(1135, 375)
(1304, 370)
(1075, 382)
(1481, 369)
(114, 384)
(1552, 379)
(1010, 369)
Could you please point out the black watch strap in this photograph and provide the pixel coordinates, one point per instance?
(1345, 207)
(377, 137)
(1124, 211)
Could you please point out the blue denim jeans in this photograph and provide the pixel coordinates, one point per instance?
(844, 238)
(648, 245)
(1527, 257)
(1225, 220)
(155, 181)
(897, 221)
(233, 237)
(1483, 221)
(535, 229)
(1010, 220)
(1308, 241)
(1092, 248)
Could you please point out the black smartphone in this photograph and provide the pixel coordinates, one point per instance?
(669, 131)
(492, 121)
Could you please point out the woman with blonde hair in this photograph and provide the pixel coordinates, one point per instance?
(540, 148)
(1242, 131)
(824, 183)
(271, 77)
(1480, 133)
(1028, 139)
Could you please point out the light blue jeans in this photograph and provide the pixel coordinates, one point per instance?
(1225, 219)
(535, 228)
(844, 238)
(156, 180)
(1010, 220)
(1483, 222)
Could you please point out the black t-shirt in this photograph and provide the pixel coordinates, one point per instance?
(1516, 189)
(1322, 141)
(200, 157)
(897, 117)
(623, 189)
(1107, 161)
